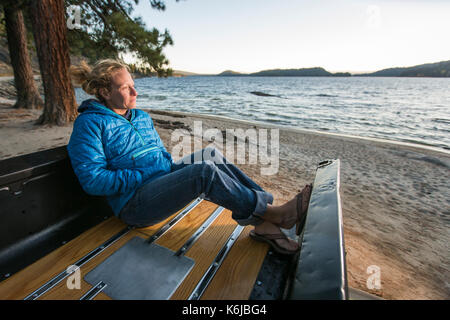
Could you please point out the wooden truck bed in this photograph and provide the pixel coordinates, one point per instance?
(47, 224)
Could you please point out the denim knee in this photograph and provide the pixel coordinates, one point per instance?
(209, 167)
(208, 171)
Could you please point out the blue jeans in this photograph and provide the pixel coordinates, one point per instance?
(205, 174)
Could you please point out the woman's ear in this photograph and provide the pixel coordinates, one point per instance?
(104, 93)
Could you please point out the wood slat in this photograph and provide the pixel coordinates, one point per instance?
(184, 229)
(31, 278)
(204, 251)
(236, 277)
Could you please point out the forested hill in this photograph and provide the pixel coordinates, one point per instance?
(305, 72)
(438, 69)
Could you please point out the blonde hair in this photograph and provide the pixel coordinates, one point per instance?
(98, 77)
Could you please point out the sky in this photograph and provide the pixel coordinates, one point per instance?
(211, 36)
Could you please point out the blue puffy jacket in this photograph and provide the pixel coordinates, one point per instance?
(112, 156)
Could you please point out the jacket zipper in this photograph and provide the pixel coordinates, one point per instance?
(142, 139)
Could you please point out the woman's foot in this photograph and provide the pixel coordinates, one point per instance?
(270, 233)
(288, 214)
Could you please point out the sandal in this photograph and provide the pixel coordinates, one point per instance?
(270, 239)
(302, 207)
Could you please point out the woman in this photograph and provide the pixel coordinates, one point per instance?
(116, 152)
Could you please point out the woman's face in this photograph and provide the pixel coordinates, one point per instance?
(122, 95)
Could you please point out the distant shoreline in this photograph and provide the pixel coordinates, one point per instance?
(37, 77)
(428, 70)
(434, 70)
(352, 76)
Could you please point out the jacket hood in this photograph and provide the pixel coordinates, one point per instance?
(95, 106)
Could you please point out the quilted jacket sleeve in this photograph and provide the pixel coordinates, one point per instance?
(89, 163)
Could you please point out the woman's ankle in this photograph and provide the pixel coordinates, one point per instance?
(283, 216)
(273, 214)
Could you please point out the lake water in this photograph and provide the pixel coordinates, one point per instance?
(415, 110)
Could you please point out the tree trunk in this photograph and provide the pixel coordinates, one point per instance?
(27, 94)
(50, 36)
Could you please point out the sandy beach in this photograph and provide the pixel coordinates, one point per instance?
(395, 198)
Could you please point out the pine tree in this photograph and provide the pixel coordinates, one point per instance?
(49, 30)
(27, 94)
